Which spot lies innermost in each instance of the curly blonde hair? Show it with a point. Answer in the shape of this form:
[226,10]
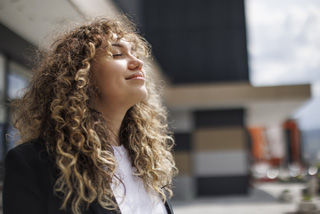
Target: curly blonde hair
[57,107]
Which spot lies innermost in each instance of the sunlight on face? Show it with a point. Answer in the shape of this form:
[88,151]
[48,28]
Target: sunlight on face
[120,79]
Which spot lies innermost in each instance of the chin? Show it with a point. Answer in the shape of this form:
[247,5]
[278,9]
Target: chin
[138,95]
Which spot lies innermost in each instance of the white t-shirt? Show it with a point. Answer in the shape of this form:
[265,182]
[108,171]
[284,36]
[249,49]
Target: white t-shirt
[134,199]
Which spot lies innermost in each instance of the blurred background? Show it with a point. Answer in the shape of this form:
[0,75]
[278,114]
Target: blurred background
[242,86]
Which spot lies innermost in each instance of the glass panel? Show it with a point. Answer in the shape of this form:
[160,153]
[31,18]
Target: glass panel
[2,91]
[2,152]
[2,106]
[12,137]
[17,80]
[16,83]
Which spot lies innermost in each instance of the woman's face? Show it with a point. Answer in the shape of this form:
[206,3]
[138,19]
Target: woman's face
[121,79]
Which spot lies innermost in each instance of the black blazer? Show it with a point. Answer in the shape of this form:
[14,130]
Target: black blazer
[29,180]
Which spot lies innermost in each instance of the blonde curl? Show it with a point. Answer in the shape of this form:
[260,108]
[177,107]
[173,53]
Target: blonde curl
[57,108]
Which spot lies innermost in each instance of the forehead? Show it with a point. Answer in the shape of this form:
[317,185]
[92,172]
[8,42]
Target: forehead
[121,42]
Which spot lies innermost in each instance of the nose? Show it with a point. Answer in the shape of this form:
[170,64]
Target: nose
[135,64]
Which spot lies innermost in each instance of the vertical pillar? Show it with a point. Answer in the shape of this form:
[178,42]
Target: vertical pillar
[3,109]
[182,125]
[220,152]
[292,141]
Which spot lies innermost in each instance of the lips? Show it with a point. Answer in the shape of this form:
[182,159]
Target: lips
[138,75]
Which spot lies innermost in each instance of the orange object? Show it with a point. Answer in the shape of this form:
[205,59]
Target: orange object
[294,139]
[258,143]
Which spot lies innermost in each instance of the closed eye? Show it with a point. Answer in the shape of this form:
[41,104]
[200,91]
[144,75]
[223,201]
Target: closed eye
[117,55]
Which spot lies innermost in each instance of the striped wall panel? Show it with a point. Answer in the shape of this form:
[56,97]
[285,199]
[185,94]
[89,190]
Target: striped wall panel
[226,163]
[220,152]
[184,187]
[211,153]
[182,142]
[222,185]
[219,118]
[184,163]
[181,121]
[182,124]
[225,138]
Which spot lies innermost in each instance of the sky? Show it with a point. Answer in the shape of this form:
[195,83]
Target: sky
[284,49]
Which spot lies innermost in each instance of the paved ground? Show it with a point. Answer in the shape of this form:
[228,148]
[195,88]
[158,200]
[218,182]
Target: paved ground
[263,199]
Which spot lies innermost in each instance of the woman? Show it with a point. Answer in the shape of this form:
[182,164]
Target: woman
[95,132]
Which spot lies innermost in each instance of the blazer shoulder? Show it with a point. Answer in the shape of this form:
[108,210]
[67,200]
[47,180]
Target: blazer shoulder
[30,148]
[35,144]
[33,152]
[27,181]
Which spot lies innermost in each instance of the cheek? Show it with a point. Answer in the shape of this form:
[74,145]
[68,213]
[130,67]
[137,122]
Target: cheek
[101,73]
[114,69]
[106,81]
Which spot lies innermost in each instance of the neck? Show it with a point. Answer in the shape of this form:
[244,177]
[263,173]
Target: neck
[113,118]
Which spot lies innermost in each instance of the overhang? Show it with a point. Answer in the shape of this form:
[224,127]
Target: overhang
[264,105]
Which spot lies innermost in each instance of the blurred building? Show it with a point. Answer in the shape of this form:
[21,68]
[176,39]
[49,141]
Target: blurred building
[311,146]
[200,48]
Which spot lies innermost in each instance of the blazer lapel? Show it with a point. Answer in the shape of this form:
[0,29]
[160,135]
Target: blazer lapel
[168,207]
[96,208]
[167,204]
